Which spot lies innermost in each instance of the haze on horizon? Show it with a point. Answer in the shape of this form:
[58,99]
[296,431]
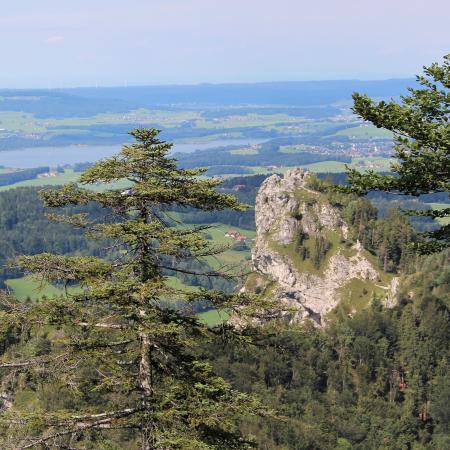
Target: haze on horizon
[109,42]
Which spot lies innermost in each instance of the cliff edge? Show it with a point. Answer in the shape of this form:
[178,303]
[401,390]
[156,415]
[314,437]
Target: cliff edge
[304,255]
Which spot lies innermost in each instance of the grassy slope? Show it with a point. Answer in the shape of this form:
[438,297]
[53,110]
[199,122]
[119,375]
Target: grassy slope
[231,260]
[307,265]
[216,232]
[29,288]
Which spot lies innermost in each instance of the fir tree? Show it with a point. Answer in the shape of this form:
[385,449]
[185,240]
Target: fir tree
[125,356]
[422,137]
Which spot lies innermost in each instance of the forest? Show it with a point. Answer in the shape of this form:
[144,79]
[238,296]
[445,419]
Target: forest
[376,380]
[120,358]
[363,382]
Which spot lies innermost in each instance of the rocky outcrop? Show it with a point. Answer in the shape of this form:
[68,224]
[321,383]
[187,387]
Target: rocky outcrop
[285,209]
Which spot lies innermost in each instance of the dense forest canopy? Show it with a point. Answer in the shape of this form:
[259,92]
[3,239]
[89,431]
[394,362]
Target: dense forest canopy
[377,380]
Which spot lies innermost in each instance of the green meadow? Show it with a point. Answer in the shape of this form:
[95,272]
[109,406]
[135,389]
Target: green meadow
[28,287]
[365,131]
[213,317]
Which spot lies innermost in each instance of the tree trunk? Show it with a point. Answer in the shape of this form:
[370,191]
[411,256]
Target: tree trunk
[145,383]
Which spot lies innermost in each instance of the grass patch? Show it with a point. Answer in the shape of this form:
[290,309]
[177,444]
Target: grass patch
[437,207]
[307,265]
[69,176]
[365,131]
[245,151]
[28,287]
[294,148]
[213,317]
[259,284]
[175,283]
[355,296]
[307,196]
[326,166]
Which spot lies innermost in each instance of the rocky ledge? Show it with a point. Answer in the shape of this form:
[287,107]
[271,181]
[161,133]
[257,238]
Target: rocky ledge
[303,255]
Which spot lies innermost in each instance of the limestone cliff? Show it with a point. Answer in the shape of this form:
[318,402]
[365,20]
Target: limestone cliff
[303,254]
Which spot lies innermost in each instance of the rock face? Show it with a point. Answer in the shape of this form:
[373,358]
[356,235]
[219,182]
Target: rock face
[285,209]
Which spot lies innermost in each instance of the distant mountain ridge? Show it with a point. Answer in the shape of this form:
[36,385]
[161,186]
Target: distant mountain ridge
[269,93]
[90,100]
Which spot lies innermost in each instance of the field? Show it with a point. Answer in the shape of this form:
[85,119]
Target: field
[245,151]
[18,122]
[438,206]
[247,120]
[69,176]
[326,166]
[294,148]
[378,164]
[106,125]
[28,287]
[232,261]
[365,131]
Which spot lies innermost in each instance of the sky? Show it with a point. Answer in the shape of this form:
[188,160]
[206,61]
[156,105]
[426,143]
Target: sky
[55,43]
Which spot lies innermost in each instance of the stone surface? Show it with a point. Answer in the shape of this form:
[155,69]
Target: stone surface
[280,214]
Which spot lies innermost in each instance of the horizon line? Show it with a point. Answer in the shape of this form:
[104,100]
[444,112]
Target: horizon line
[206,83]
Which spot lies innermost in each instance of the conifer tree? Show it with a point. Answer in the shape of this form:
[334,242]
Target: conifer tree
[422,145]
[122,351]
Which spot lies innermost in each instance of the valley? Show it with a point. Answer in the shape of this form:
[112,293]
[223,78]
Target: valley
[344,298]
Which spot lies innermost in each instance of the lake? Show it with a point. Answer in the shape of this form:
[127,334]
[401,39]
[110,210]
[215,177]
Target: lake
[54,156]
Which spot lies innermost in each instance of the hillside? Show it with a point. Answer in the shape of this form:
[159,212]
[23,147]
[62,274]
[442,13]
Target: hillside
[306,256]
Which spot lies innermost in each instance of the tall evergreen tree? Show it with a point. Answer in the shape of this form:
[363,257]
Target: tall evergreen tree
[422,137]
[125,358]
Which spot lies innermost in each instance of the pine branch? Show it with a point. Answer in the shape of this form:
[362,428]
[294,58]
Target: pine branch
[101,421]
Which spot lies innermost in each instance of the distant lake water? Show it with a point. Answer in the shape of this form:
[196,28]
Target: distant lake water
[54,156]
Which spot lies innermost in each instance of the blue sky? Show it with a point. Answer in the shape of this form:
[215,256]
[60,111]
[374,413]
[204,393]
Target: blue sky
[60,43]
